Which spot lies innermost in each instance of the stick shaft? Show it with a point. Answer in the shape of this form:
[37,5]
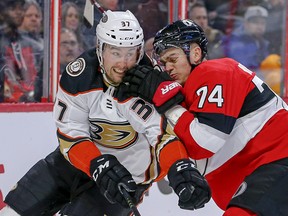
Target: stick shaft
[129,201]
[94,2]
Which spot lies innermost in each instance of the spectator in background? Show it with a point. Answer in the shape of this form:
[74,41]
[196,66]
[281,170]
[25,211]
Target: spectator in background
[109,4]
[31,28]
[247,43]
[32,22]
[275,24]
[271,70]
[198,13]
[72,19]
[79,3]
[18,62]
[152,16]
[228,15]
[69,47]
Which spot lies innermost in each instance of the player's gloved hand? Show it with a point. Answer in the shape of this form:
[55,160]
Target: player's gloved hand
[190,186]
[108,174]
[152,85]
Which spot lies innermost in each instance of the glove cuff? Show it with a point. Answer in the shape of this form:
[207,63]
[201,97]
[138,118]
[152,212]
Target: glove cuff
[177,99]
[174,114]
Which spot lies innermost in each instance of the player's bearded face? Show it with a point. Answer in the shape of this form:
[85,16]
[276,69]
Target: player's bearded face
[117,60]
[174,61]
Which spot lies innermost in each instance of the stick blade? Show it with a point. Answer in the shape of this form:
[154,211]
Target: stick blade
[88,14]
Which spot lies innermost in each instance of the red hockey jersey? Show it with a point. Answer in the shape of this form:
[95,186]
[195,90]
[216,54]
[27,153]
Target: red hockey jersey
[233,125]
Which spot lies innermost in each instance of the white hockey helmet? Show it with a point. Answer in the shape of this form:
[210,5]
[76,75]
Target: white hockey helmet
[121,29]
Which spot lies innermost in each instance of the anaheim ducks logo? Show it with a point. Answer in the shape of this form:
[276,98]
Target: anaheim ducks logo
[112,134]
[75,68]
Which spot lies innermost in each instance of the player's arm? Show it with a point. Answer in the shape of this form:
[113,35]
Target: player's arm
[187,182]
[71,118]
[71,115]
[171,155]
[195,127]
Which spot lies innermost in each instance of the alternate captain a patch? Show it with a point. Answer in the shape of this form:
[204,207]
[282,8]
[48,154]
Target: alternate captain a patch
[76,67]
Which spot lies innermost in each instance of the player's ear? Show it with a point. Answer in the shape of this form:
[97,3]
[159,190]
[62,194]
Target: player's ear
[195,53]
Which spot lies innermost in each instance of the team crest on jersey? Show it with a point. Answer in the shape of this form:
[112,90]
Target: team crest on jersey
[76,67]
[117,135]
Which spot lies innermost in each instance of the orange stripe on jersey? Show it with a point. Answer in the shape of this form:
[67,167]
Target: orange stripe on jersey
[170,154]
[82,153]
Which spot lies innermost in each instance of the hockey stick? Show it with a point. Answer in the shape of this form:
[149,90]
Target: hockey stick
[89,12]
[128,199]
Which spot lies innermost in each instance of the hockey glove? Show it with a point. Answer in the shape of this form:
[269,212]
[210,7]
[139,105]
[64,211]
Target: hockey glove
[154,86]
[190,186]
[109,176]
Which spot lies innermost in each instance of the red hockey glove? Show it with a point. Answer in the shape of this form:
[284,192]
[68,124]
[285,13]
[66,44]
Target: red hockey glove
[190,186]
[109,175]
[152,85]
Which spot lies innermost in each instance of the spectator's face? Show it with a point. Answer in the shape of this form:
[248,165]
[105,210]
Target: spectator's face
[117,60]
[69,47]
[276,3]
[109,4]
[14,15]
[256,26]
[32,20]
[72,19]
[199,15]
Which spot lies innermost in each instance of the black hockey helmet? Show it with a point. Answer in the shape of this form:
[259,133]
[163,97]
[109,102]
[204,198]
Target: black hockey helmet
[180,34]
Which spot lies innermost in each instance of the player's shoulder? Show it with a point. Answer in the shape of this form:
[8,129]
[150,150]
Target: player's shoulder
[213,71]
[82,74]
[221,65]
[219,62]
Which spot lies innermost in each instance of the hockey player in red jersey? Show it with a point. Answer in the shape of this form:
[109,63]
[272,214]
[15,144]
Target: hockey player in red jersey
[231,122]
[118,142]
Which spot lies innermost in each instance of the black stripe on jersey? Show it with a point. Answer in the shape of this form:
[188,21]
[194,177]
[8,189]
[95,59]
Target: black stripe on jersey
[218,121]
[256,99]
[253,101]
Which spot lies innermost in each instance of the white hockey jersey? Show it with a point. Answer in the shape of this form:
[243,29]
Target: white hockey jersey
[91,121]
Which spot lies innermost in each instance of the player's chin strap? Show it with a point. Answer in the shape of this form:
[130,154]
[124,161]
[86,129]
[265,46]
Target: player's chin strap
[106,80]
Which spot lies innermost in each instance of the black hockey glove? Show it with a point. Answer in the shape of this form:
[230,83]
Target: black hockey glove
[190,186]
[109,176]
[152,85]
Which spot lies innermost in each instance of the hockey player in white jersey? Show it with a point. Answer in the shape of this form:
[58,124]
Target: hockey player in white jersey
[113,141]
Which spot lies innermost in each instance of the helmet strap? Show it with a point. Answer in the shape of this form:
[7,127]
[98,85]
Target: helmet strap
[108,82]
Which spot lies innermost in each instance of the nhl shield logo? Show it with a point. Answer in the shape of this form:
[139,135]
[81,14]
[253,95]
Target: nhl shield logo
[76,67]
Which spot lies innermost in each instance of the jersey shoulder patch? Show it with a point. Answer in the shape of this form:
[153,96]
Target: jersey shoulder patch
[76,67]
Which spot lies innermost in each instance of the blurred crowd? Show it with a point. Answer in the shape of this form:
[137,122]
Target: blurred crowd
[250,31]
